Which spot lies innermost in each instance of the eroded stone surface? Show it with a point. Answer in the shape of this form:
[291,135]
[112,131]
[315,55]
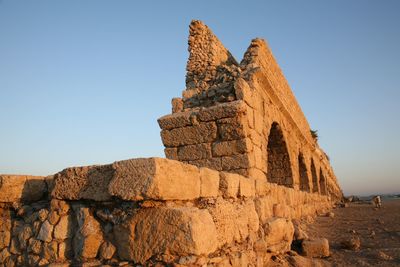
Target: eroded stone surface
[278,234]
[155,178]
[179,231]
[17,188]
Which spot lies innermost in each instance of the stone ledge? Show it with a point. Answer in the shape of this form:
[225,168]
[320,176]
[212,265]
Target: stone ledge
[134,179]
[22,188]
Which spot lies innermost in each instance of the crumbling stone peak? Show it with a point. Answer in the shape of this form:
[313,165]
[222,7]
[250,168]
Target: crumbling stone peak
[242,171]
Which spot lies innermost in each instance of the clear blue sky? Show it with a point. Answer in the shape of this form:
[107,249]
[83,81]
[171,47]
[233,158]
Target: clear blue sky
[83,82]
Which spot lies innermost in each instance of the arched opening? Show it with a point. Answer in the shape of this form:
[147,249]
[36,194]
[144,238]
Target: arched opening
[304,181]
[279,169]
[322,182]
[314,177]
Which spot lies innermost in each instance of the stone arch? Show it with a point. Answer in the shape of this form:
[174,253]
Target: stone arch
[322,183]
[279,169]
[314,177]
[304,180]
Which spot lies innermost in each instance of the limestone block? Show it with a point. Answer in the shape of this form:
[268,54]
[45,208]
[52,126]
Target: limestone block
[281,210]
[232,128]
[228,148]
[223,110]
[25,188]
[107,250]
[177,104]
[153,231]
[46,231]
[235,162]
[201,133]
[155,178]
[4,254]
[229,184]
[278,235]
[65,249]
[24,234]
[175,120]
[209,182]
[64,228]
[50,251]
[243,91]
[317,247]
[233,221]
[35,246]
[261,186]
[5,228]
[88,182]
[246,187]
[89,236]
[212,163]
[264,208]
[171,153]
[194,152]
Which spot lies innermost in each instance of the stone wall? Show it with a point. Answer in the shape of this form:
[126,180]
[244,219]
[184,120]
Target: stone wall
[242,169]
[147,211]
[257,130]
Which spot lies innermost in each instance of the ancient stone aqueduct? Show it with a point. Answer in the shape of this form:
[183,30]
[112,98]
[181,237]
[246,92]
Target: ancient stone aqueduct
[242,164]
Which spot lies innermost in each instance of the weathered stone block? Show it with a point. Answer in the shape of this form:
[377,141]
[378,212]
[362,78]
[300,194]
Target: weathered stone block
[64,228]
[243,91]
[46,231]
[229,184]
[212,163]
[175,120]
[171,153]
[228,148]
[246,187]
[194,152]
[233,221]
[5,228]
[261,185]
[177,104]
[155,178]
[223,110]
[153,231]
[264,208]
[317,247]
[235,162]
[282,211]
[201,133]
[232,128]
[89,235]
[209,180]
[278,235]
[88,182]
[25,188]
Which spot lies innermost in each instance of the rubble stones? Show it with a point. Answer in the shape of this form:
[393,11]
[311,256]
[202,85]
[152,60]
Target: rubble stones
[46,231]
[317,247]
[89,236]
[107,250]
[63,229]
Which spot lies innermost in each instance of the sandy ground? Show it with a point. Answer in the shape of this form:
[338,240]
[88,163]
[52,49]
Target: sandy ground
[378,230]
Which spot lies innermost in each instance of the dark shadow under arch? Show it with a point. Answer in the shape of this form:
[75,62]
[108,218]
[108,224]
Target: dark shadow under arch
[279,168]
[304,180]
[322,183]
[314,177]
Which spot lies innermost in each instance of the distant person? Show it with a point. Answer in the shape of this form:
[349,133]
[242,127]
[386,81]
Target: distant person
[377,201]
